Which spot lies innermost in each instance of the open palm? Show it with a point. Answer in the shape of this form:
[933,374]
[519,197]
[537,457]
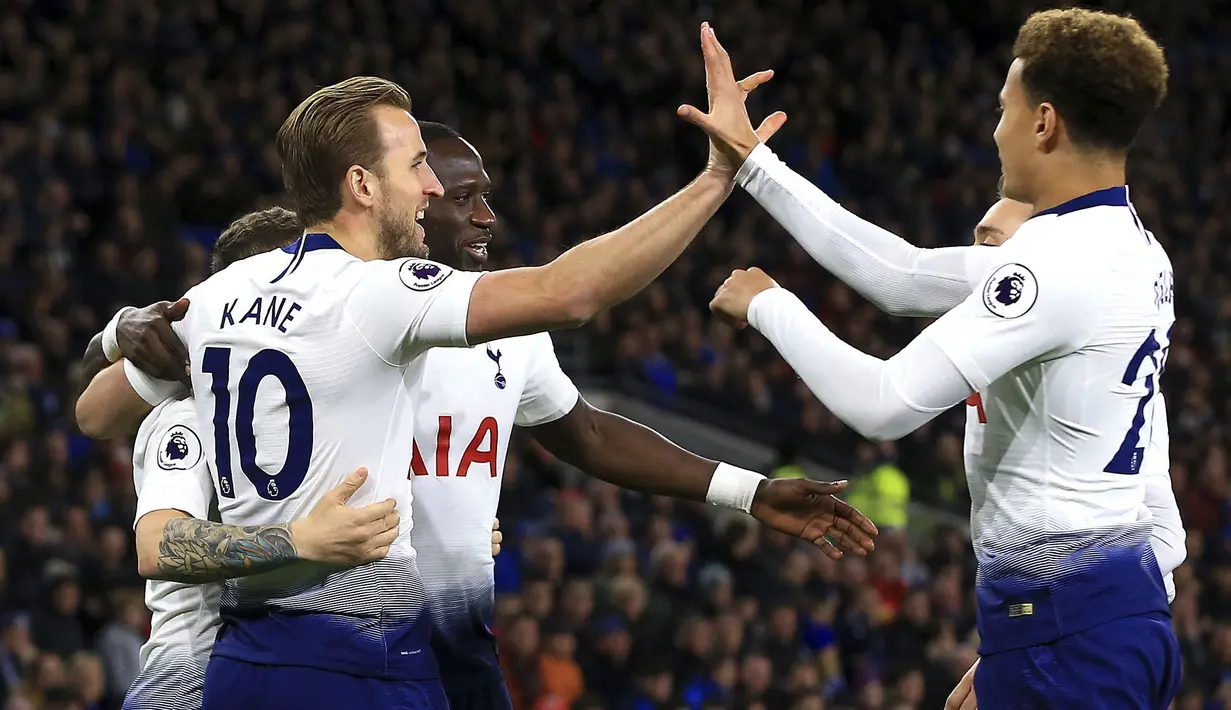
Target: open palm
[808,510]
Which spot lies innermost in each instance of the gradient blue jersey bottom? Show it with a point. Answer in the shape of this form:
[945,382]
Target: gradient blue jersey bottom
[390,649]
[1132,663]
[237,685]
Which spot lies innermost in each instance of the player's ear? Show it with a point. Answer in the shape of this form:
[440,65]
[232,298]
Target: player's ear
[361,185]
[1046,127]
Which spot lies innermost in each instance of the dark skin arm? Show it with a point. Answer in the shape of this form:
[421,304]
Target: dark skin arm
[629,455]
[146,337]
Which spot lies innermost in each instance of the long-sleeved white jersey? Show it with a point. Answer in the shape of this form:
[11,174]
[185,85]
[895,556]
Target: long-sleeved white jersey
[306,365]
[1062,332]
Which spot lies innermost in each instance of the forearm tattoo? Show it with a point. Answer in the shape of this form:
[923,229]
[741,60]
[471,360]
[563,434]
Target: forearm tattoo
[197,551]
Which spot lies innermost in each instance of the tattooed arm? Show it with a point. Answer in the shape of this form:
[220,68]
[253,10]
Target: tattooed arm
[180,548]
[175,546]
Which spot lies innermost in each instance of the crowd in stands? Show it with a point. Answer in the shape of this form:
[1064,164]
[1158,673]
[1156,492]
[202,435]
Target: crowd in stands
[132,131]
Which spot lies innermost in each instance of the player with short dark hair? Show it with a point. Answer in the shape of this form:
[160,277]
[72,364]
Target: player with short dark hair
[474,397]
[254,233]
[1062,334]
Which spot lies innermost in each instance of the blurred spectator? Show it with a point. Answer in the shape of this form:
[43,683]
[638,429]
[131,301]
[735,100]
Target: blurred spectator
[120,642]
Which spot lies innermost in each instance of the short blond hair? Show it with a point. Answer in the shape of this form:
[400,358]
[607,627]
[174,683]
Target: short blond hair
[1103,73]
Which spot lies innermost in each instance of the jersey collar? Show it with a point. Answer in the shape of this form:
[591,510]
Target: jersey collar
[311,242]
[1110,197]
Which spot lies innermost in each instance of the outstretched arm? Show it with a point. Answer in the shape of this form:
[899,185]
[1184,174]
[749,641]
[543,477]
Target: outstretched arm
[629,455]
[964,351]
[602,272]
[896,276]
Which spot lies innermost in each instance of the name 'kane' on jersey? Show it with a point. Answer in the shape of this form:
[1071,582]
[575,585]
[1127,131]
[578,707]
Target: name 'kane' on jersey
[306,366]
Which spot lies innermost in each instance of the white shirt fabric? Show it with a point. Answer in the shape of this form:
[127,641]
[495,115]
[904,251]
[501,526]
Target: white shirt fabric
[1063,338]
[471,400]
[307,364]
[170,473]
[903,279]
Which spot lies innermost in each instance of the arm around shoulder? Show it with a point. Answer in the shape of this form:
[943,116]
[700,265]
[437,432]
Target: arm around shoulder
[115,401]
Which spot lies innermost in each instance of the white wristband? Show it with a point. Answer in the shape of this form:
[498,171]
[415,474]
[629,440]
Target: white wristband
[733,487]
[111,345]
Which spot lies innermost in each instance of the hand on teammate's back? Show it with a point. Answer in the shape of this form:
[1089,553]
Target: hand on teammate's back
[146,338]
[334,533]
[735,295]
[730,130]
[808,510]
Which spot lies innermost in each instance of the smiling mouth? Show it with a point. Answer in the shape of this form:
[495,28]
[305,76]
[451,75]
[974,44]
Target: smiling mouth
[477,249]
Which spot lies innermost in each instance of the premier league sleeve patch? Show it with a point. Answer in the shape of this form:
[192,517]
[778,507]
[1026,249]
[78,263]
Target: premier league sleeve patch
[1010,291]
[179,450]
[423,275]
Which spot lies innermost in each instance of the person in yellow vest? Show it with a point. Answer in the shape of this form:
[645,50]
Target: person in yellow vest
[884,493]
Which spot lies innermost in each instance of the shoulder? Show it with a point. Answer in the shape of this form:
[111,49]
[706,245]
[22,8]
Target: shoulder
[1036,269]
[172,440]
[411,273]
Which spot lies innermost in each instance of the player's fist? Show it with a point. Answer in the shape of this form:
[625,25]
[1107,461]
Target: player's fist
[963,696]
[497,537]
[336,534]
[736,293]
[145,337]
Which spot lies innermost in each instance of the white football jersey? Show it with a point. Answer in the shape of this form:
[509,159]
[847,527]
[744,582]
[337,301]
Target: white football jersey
[470,401]
[306,365]
[1050,452]
[170,473]
[1054,448]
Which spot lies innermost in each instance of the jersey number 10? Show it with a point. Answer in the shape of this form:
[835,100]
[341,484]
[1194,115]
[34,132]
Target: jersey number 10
[1146,364]
[266,363]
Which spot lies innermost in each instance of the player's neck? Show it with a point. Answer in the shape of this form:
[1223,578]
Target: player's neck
[355,238]
[1077,176]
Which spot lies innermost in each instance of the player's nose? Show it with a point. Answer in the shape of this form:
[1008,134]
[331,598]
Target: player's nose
[433,188]
[483,215]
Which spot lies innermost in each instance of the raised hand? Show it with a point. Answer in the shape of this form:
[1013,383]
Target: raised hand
[808,510]
[146,338]
[334,533]
[730,130]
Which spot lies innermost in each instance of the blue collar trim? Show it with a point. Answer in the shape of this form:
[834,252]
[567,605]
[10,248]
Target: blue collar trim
[1110,197]
[311,242]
